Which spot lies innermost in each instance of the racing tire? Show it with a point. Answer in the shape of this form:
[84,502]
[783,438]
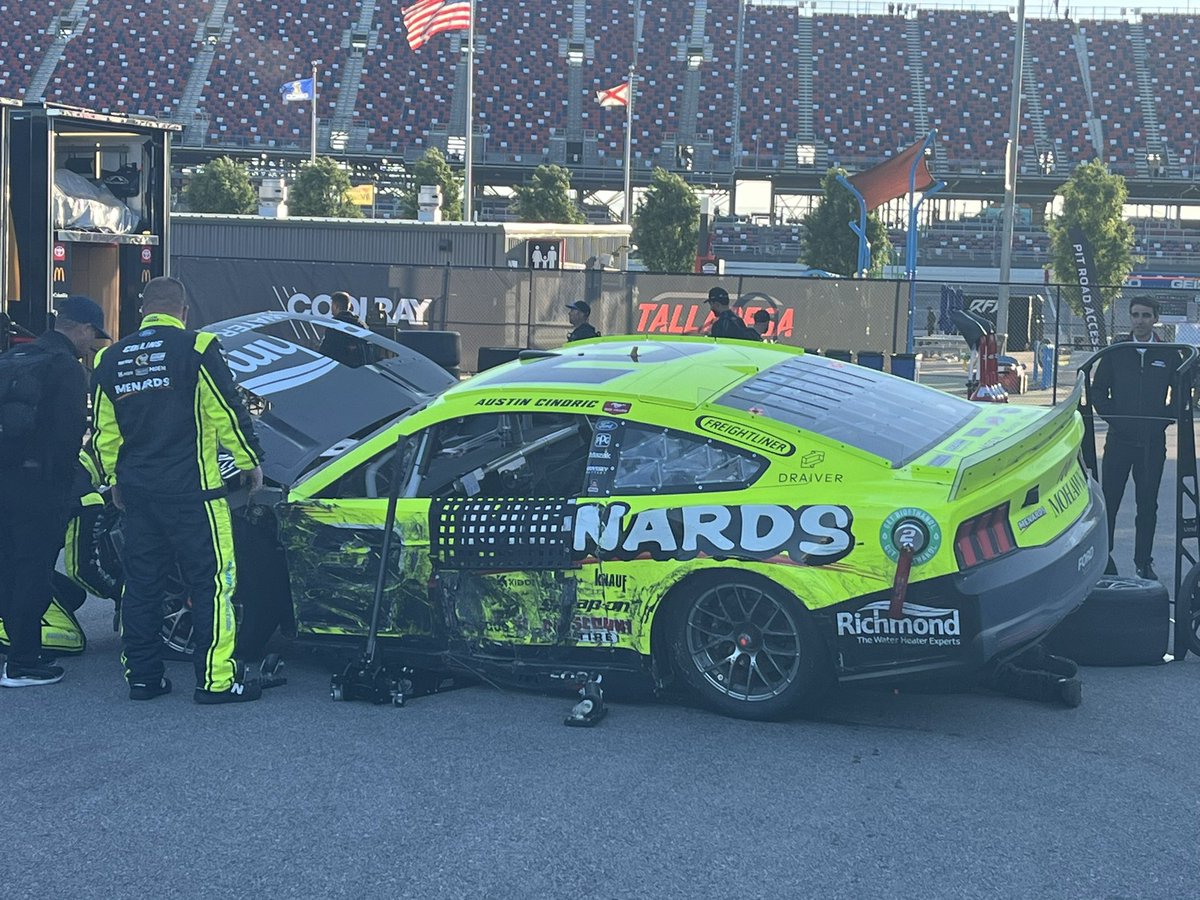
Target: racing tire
[747,648]
[1123,622]
[442,347]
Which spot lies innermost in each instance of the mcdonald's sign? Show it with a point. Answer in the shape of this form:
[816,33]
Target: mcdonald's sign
[60,274]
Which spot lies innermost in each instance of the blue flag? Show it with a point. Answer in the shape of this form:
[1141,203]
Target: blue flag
[301,89]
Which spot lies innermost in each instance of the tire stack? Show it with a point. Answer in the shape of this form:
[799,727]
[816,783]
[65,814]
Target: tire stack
[443,347]
[1123,622]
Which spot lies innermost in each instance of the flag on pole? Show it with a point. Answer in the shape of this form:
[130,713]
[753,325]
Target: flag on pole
[427,18]
[301,89]
[614,96]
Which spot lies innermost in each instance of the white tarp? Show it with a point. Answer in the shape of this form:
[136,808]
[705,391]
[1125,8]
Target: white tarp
[80,204]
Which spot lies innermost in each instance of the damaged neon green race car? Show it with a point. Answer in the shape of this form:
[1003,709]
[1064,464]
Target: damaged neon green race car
[747,521]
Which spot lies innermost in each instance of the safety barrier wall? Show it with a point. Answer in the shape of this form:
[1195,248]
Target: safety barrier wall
[503,307]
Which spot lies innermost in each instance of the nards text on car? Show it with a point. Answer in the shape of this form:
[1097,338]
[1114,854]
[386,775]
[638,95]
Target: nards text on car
[723,515]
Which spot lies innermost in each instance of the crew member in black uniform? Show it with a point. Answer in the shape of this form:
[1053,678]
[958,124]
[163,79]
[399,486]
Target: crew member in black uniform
[727,323]
[1130,390]
[36,481]
[164,402]
[338,345]
[581,329]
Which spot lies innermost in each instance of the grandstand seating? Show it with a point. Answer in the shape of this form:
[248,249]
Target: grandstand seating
[404,94]
[1114,90]
[131,58]
[769,86]
[1176,79]
[1064,97]
[136,55]
[24,37]
[861,88]
[520,81]
[610,26]
[968,71]
[273,42]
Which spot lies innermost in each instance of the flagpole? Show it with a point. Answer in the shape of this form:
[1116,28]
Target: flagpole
[627,215]
[469,155]
[312,147]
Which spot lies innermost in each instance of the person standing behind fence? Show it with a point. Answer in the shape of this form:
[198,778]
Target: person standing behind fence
[762,324]
[727,323]
[577,314]
[164,402]
[1130,391]
[45,414]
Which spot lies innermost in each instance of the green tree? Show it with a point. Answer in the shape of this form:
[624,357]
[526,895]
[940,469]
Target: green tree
[320,190]
[829,243]
[432,168]
[1093,201]
[546,197]
[667,224]
[221,186]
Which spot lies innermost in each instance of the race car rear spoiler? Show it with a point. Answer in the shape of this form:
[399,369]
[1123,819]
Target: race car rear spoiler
[985,465]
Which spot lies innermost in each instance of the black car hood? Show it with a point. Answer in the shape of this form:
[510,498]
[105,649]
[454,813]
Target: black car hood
[307,406]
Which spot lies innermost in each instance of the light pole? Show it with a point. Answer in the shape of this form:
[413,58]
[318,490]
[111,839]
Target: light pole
[1010,180]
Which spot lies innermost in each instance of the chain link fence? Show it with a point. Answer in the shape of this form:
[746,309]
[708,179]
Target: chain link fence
[524,308]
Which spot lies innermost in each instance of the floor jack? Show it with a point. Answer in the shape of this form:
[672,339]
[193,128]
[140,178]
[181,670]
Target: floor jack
[367,678]
[270,671]
[590,709]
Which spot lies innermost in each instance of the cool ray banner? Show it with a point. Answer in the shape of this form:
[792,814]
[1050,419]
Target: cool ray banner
[222,289]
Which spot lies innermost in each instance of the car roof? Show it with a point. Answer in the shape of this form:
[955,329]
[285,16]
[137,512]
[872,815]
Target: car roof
[884,417]
[679,371]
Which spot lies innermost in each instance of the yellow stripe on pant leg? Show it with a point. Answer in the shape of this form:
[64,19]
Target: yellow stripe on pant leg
[218,663]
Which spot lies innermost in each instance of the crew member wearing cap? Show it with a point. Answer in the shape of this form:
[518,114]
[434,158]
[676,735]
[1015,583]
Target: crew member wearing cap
[727,323]
[577,314]
[36,481]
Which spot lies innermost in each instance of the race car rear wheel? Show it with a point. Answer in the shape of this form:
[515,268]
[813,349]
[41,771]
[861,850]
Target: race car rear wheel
[747,648]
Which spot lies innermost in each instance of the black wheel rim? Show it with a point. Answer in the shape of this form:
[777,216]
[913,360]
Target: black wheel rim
[176,628]
[744,642]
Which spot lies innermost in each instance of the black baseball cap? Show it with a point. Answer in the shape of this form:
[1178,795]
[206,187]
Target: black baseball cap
[86,311]
[718,295]
[761,315]
[582,306]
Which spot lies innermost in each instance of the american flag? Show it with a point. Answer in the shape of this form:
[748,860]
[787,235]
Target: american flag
[427,18]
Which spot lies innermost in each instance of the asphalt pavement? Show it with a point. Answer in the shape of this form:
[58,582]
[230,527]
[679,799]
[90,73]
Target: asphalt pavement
[484,793]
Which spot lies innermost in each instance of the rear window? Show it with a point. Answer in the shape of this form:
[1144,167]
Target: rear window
[885,416]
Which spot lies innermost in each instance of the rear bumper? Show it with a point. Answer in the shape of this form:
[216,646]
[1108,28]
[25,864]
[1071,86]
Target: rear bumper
[1023,596]
[957,624]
